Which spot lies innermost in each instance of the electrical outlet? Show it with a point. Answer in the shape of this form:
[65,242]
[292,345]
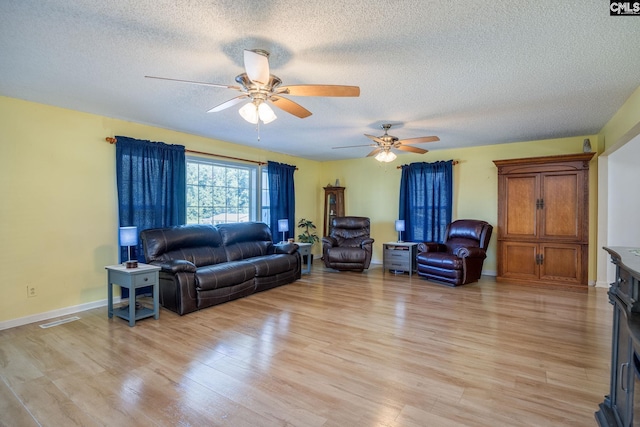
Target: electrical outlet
[31,291]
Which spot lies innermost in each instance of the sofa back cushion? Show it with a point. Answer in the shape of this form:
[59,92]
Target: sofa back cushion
[245,239]
[200,244]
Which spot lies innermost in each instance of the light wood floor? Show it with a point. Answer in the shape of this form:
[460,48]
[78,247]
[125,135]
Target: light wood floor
[333,349]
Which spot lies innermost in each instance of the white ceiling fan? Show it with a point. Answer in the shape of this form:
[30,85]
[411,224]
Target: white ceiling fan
[384,144]
[261,88]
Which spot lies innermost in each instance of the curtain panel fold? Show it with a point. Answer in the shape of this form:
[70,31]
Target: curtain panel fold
[282,200]
[426,199]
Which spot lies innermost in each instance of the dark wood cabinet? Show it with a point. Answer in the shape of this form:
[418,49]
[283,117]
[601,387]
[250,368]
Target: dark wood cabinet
[543,227]
[333,206]
[621,407]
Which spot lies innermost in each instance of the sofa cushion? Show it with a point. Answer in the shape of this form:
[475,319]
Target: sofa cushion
[270,265]
[199,244]
[342,254]
[223,275]
[440,260]
[245,240]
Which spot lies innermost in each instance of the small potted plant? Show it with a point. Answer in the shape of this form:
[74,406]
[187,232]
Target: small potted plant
[308,235]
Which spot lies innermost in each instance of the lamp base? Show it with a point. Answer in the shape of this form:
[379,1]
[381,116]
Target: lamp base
[131,264]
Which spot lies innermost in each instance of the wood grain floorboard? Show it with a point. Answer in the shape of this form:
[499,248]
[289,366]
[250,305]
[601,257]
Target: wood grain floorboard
[332,349]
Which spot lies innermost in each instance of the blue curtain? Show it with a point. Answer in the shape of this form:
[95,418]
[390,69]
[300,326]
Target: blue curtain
[151,179]
[282,201]
[426,198]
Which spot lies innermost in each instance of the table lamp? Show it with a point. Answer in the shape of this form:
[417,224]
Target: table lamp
[128,238]
[399,229]
[283,226]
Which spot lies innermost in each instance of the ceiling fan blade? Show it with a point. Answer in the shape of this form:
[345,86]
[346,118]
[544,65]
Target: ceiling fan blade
[257,66]
[412,149]
[195,83]
[376,139]
[290,106]
[374,152]
[229,103]
[419,140]
[319,90]
[353,146]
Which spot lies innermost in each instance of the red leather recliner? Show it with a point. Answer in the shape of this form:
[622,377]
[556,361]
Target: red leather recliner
[459,259]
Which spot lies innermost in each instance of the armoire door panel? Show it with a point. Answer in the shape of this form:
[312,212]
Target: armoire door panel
[521,216]
[519,260]
[561,263]
[561,207]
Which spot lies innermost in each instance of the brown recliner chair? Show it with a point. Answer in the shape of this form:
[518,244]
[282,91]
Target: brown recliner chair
[349,245]
[459,259]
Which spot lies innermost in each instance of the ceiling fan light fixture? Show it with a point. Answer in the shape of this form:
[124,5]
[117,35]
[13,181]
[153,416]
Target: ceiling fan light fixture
[385,156]
[249,112]
[266,114]
[254,111]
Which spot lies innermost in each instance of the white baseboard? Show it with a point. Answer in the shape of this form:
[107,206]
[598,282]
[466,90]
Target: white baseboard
[54,313]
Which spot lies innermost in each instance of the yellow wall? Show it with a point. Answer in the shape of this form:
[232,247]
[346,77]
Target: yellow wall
[372,188]
[622,122]
[58,216]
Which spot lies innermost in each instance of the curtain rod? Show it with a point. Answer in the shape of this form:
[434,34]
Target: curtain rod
[112,140]
[454,162]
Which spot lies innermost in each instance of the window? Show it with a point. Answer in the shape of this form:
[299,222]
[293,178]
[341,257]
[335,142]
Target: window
[220,192]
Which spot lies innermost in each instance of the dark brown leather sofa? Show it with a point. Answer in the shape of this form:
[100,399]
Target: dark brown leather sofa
[204,265]
[459,259]
[349,246]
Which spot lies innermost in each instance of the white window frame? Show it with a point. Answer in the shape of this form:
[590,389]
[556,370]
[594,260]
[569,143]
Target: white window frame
[255,196]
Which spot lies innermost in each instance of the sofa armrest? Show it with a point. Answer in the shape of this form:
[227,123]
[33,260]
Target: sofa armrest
[366,243]
[329,241]
[176,266]
[431,247]
[287,248]
[471,253]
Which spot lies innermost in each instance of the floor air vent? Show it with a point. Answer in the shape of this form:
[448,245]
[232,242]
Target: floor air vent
[59,322]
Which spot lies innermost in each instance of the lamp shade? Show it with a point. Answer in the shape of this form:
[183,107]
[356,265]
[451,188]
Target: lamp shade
[254,111]
[128,236]
[249,112]
[385,156]
[399,224]
[283,225]
[266,114]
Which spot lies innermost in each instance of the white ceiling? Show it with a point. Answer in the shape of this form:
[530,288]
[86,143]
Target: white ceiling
[472,72]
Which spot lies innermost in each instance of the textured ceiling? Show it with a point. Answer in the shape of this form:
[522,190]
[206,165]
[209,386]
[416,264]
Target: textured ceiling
[471,72]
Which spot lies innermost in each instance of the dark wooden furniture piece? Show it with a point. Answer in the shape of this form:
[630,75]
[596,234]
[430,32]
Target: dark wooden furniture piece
[543,219]
[333,206]
[621,407]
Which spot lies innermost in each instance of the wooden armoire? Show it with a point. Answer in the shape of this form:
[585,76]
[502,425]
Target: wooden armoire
[543,220]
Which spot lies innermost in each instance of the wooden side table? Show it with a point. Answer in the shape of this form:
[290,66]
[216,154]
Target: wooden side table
[133,278]
[400,257]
